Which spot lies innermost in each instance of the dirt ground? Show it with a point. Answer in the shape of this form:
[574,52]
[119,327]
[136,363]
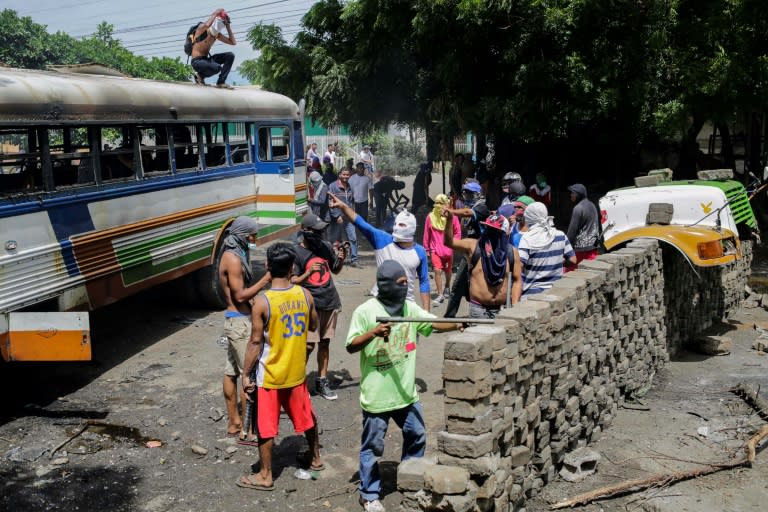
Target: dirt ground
[156,374]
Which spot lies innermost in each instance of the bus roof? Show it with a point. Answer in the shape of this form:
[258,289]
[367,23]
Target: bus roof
[32,97]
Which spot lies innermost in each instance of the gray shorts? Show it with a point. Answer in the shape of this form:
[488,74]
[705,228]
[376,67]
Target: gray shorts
[238,331]
[478,311]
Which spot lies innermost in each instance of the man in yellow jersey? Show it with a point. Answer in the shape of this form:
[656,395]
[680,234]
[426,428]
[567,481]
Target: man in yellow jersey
[281,318]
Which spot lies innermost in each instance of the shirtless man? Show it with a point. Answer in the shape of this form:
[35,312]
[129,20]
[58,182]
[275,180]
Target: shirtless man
[235,276]
[203,62]
[488,264]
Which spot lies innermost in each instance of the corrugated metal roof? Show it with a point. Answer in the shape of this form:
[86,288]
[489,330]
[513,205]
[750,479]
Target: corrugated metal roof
[31,97]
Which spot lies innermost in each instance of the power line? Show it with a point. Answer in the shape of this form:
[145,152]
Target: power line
[186,20]
[60,7]
[176,43]
[166,39]
[161,53]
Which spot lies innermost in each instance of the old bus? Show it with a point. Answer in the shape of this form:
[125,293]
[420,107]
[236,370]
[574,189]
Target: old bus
[110,185]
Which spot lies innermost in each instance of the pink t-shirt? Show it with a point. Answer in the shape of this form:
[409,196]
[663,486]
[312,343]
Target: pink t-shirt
[433,238]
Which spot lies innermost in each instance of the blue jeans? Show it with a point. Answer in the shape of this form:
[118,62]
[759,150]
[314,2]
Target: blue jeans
[411,420]
[334,235]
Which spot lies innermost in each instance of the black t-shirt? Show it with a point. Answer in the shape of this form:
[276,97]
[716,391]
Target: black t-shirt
[320,284]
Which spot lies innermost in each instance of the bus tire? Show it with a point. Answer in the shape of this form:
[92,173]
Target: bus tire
[207,284]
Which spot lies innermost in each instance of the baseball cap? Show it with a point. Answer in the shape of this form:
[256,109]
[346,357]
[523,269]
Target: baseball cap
[472,187]
[524,201]
[506,210]
[312,221]
[497,221]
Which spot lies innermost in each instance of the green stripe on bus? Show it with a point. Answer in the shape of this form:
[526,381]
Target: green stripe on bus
[137,273]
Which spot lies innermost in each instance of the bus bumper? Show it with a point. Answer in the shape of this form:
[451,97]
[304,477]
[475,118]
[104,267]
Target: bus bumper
[45,336]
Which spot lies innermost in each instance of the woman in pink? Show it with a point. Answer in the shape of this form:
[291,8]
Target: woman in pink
[441,256]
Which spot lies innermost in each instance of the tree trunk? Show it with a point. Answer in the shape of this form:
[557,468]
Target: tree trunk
[689,150]
[726,148]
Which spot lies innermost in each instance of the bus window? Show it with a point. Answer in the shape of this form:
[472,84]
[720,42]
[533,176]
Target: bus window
[154,150]
[238,143]
[185,147]
[70,163]
[274,143]
[117,161]
[215,145]
[20,164]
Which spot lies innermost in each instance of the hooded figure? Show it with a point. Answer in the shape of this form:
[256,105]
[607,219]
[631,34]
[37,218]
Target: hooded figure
[541,228]
[236,242]
[541,191]
[404,229]
[583,230]
[318,196]
[436,215]
[391,293]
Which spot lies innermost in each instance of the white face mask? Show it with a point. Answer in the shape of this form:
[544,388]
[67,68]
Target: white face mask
[251,246]
[216,27]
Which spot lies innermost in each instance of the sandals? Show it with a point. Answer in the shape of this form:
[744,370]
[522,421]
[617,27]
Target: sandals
[305,460]
[245,441]
[249,482]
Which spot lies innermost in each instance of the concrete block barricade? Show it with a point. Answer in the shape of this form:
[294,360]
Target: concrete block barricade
[548,377]
[523,395]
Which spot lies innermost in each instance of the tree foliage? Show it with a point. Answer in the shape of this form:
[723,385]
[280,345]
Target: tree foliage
[617,71]
[26,44]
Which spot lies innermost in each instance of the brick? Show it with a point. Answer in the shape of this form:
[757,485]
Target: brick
[446,479]
[468,390]
[461,445]
[480,466]
[528,314]
[521,455]
[475,426]
[469,347]
[410,473]
[468,409]
[579,464]
[474,371]
[495,332]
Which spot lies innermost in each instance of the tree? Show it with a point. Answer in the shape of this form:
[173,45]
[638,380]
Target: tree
[595,79]
[25,44]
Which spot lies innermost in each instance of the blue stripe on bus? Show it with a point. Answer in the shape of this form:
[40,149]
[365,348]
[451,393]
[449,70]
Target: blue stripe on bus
[67,220]
[42,201]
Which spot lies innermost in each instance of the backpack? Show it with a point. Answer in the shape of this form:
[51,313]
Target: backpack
[190,40]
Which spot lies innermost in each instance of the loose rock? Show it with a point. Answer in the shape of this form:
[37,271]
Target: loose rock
[199,450]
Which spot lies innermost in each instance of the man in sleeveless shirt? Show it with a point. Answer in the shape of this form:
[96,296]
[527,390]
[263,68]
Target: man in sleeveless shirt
[278,352]
[236,280]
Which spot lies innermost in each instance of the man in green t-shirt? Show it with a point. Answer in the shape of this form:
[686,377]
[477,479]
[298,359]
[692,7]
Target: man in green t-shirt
[388,374]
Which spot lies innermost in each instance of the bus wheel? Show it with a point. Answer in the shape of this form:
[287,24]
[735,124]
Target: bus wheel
[207,284]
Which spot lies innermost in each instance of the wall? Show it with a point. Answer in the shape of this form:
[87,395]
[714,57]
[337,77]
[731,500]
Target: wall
[551,374]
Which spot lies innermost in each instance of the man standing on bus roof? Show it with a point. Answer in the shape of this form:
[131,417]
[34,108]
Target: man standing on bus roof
[235,278]
[203,62]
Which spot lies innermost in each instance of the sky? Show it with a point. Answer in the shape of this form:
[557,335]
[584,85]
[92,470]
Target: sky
[152,28]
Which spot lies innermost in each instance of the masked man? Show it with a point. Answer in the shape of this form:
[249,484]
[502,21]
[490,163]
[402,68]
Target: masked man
[388,374]
[398,246]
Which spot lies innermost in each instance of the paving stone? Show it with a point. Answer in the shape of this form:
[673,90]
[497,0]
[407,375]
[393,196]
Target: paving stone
[446,479]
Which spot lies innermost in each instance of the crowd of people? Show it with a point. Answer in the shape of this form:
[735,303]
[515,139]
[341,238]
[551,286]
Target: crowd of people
[495,258]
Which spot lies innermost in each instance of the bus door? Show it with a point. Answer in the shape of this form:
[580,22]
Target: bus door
[276,193]
[300,169]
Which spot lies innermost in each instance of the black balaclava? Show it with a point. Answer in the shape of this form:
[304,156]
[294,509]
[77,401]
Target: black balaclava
[391,293]
[317,245]
[236,242]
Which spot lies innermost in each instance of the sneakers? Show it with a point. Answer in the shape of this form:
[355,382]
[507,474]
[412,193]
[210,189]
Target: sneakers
[199,80]
[224,86]
[323,389]
[438,300]
[372,506]
[447,293]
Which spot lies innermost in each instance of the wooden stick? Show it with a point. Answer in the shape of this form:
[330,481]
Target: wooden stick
[750,395]
[64,443]
[664,478]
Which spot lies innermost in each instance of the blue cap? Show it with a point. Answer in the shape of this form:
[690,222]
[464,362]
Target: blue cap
[472,187]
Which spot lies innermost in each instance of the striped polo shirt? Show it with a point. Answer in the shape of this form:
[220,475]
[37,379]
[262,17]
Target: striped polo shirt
[542,267]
